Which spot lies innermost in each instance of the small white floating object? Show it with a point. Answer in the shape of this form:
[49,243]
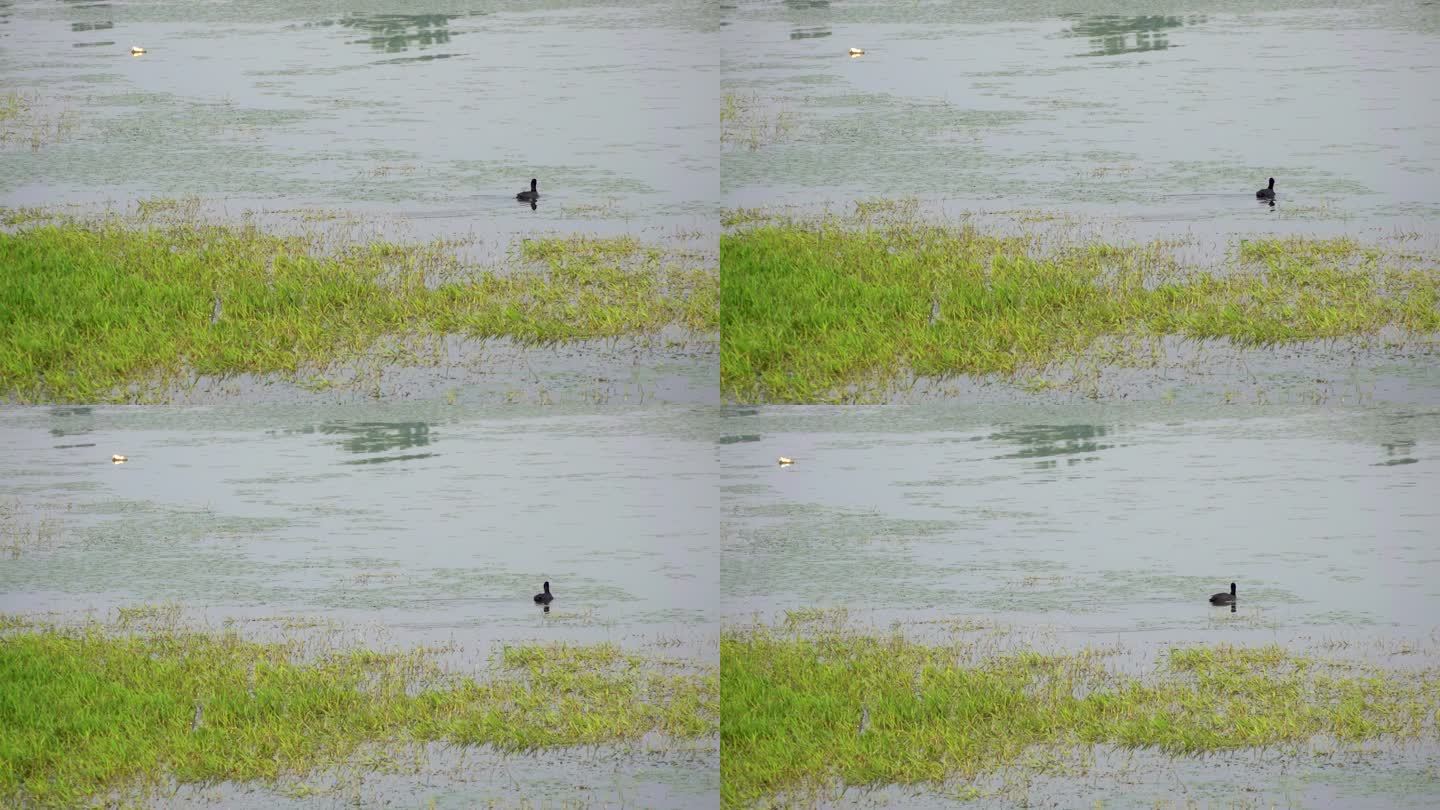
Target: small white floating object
[119,459]
[136,50]
[857,51]
[785,462]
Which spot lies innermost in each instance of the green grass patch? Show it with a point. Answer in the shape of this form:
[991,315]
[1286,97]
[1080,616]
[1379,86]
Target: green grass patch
[88,713]
[803,712]
[837,310]
[91,310]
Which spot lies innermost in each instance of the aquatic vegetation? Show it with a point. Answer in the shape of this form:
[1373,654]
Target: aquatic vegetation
[104,310]
[753,122]
[28,119]
[22,530]
[845,309]
[804,712]
[89,713]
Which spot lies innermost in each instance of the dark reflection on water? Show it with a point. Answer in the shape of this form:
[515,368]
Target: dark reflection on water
[388,459]
[1042,441]
[96,26]
[748,437]
[74,420]
[1111,34]
[393,33]
[810,33]
[1399,448]
[374,437]
[804,5]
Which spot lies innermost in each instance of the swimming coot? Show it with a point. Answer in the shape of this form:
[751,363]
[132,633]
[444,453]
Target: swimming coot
[1266,193]
[544,597]
[1221,598]
[532,194]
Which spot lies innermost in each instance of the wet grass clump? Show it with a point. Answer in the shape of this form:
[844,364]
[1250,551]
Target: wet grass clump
[96,310]
[89,714]
[839,310]
[804,712]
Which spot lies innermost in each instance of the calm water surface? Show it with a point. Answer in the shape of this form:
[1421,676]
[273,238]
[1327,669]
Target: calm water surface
[441,116]
[1141,111]
[433,520]
[1097,522]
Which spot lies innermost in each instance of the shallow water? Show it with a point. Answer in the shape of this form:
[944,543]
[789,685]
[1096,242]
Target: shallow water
[440,117]
[1371,779]
[1170,116]
[437,521]
[1091,523]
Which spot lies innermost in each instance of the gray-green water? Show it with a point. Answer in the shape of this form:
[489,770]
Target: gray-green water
[1095,521]
[1172,115]
[440,117]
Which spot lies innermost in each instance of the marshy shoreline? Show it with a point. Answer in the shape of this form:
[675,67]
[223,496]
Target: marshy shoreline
[885,305]
[152,306]
[152,702]
[815,708]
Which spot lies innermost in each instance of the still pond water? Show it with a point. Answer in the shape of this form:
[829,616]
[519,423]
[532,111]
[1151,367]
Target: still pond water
[1096,521]
[439,117]
[1164,114]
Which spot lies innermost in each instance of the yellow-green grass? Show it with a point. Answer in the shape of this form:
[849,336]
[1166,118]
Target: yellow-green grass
[89,714]
[832,310]
[12,103]
[90,309]
[802,713]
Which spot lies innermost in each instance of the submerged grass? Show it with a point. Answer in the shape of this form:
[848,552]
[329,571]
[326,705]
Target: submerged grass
[89,310]
[834,310]
[752,121]
[21,530]
[802,712]
[88,714]
[25,119]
